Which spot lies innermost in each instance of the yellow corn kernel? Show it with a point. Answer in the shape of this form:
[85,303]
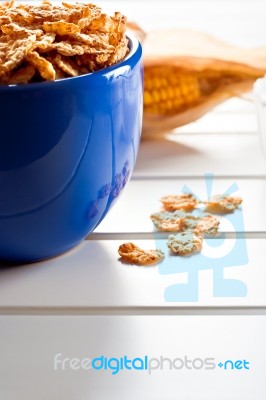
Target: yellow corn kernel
[156,96]
[164,94]
[156,83]
[148,83]
[171,93]
[147,98]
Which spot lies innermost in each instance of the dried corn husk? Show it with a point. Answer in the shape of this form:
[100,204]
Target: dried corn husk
[187,73]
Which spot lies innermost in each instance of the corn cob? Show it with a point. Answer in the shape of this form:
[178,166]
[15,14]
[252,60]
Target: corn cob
[169,90]
[187,73]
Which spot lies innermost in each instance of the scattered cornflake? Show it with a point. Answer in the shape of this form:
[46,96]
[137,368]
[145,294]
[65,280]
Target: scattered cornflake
[185,243]
[166,221]
[133,254]
[204,225]
[186,202]
[189,227]
[223,204]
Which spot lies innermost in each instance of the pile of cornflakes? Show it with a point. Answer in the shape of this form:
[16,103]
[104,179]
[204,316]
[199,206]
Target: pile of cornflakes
[49,41]
[190,229]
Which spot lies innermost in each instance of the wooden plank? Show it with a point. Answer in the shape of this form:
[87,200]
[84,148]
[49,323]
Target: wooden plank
[91,276]
[193,155]
[141,199]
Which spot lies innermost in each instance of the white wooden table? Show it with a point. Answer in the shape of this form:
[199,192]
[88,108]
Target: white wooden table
[87,304]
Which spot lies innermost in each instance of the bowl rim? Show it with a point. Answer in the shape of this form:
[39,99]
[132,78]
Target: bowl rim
[134,45]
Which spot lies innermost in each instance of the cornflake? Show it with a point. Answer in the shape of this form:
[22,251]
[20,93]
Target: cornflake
[184,243]
[223,204]
[186,202]
[133,254]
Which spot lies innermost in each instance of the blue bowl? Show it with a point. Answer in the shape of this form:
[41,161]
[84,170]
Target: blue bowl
[67,150]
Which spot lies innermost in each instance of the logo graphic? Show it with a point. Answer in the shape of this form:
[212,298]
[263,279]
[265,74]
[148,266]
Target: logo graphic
[232,365]
[116,365]
[217,254]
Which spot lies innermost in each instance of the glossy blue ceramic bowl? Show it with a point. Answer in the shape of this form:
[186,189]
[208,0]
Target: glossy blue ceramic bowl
[67,149]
